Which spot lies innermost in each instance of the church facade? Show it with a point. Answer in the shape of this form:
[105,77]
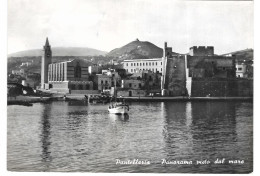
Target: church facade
[64,77]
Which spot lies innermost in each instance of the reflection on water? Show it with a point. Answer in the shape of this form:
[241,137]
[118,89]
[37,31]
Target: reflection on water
[77,103]
[218,122]
[45,137]
[120,117]
[75,136]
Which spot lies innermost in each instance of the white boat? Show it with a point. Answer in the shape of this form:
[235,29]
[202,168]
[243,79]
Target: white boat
[118,108]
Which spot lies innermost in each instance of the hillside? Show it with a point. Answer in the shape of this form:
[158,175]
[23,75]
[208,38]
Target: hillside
[246,54]
[60,51]
[135,50]
[16,63]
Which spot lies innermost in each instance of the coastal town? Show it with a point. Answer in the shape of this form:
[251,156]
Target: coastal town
[199,74]
[130,87]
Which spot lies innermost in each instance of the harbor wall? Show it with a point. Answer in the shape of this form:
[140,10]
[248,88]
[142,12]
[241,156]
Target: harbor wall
[85,91]
[131,93]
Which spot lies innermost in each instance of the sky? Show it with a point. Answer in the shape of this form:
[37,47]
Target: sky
[109,24]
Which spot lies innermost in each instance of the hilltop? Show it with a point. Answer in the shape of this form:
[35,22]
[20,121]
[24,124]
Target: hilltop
[60,51]
[136,50]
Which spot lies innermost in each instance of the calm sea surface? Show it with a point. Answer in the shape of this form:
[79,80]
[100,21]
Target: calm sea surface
[76,137]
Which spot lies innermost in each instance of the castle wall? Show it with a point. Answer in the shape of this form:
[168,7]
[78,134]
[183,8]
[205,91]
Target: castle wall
[201,51]
[211,66]
[219,87]
[175,78]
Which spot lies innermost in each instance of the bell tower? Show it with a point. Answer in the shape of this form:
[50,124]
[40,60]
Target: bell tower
[46,60]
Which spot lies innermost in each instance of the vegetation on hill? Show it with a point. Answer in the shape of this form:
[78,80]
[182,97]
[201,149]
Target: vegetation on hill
[247,55]
[241,55]
[136,50]
[15,63]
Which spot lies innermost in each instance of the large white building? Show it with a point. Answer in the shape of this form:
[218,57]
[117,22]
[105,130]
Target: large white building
[137,65]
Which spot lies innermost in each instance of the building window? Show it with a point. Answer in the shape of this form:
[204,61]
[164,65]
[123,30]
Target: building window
[131,70]
[156,63]
[143,64]
[131,64]
[161,63]
[130,85]
[153,63]
[77,71]
[80,87]
[60,65]
[126,64]
[63,77]
[161,69]
[54,72]
[134,64]
[102,82]
[137,64]
[140,85]
[146,63]
[149,63]
[106,82]
[240,69]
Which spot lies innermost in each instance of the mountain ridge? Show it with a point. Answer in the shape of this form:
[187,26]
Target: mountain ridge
[60,51]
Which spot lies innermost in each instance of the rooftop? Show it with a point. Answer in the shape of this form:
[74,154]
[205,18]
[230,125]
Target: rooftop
[137,60]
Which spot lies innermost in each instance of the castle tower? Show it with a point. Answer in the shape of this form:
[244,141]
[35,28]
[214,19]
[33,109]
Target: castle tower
[46,60]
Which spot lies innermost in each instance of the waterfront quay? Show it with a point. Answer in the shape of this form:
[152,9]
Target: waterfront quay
[183,98]
[28,100]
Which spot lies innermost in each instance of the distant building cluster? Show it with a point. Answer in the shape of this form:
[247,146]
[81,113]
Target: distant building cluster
[244,67]
[78,76]
[198,73]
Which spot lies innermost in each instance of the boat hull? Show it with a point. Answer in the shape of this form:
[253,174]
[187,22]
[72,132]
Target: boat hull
[118,110]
